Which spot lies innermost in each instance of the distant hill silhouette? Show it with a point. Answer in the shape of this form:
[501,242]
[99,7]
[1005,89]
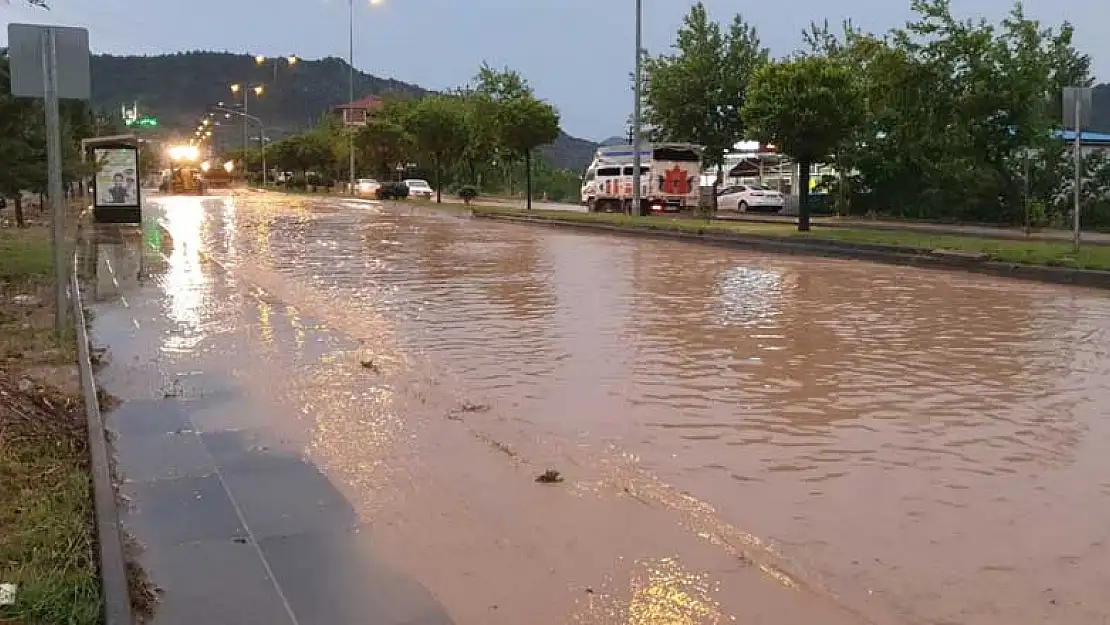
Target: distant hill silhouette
[179,88]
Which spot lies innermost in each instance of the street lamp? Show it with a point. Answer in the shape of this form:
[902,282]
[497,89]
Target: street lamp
[261,137]
[351,86]
[246,89]
[636,121]
[291,60]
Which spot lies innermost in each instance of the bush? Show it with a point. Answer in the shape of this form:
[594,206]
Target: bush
[468,193]
[297,183]
[316,180]
[393,191]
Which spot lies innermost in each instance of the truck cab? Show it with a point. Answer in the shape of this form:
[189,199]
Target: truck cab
[589,187]
[669,174]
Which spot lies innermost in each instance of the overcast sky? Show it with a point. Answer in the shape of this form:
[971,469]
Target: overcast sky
[577,53]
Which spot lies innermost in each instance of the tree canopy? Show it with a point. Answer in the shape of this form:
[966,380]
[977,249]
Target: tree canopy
[808,107]
[953,107]
[695,94]
[438,128]
[484,134]
[23,142]
[957,121]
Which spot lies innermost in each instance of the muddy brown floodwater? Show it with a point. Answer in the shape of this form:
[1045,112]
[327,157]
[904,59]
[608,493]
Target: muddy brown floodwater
[744,437]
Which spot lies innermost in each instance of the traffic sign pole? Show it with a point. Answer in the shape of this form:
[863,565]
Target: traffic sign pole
[51,62]
[54,174]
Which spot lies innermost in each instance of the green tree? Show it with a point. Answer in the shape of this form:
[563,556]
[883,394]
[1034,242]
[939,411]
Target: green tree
[952,107]
[808,107]
[527,123]
[22,145]
[696,93]
[315,152]
[501,85]
[385,142]
[483,141]
[438,128]
[492,89]
[382,144]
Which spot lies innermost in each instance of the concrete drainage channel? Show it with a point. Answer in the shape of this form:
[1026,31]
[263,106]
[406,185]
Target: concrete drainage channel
[937,259]
[115,588]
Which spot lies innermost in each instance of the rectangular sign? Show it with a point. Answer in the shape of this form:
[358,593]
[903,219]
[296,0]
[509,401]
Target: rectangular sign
[117,179]
[26,46]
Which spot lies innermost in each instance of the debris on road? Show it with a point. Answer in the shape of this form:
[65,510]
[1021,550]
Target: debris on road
[550,476]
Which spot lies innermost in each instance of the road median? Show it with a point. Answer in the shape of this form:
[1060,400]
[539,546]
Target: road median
[1044,261]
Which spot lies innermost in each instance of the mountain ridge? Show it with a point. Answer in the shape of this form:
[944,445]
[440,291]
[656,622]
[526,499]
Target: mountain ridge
[178,88]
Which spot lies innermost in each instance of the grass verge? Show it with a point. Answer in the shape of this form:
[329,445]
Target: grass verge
[47,545]
[1044,253]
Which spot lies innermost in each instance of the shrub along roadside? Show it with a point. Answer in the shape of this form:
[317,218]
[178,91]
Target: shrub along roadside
[1042,253]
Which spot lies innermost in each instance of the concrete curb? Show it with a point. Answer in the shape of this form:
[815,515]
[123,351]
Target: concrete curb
[999,234]
[115,588]
[888,254]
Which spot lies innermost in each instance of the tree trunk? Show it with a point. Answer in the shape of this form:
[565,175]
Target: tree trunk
[18,201]
[528,176]
[439,182]
[803,195]
[716,185]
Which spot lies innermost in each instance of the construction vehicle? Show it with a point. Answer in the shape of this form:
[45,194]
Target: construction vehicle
[183,180]
[669,176]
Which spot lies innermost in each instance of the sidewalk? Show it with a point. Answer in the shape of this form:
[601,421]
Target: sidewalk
[237,524]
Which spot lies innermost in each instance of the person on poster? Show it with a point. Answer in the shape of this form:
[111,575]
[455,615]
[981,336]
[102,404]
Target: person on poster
[118,192]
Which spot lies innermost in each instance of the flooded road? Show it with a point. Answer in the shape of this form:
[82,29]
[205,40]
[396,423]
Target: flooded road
[743,437]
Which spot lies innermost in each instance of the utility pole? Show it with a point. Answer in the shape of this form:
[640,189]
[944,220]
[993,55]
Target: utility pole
[1077,105]
[636,121]
[246,111]
[1078,165]
[54,175]
[351,99]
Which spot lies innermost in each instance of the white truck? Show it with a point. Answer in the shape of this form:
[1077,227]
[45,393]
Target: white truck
[669,175]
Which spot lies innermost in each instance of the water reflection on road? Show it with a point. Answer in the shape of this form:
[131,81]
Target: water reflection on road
[903,445]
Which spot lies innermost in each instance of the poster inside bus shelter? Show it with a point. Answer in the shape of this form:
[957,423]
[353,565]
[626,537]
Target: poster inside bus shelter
[117,177]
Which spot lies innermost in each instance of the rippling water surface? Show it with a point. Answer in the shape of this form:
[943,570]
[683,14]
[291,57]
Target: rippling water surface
[924,446]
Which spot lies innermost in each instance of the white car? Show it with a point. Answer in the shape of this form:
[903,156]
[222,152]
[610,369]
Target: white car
[754,197]
[368,186]
[420,188]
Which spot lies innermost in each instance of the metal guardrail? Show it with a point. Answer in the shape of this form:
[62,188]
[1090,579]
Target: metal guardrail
[113,566]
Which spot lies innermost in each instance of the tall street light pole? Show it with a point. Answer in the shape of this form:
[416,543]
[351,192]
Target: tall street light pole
[636,208]
[351,99]
[261,134]
[246,89]
[351,91]
[261,59]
